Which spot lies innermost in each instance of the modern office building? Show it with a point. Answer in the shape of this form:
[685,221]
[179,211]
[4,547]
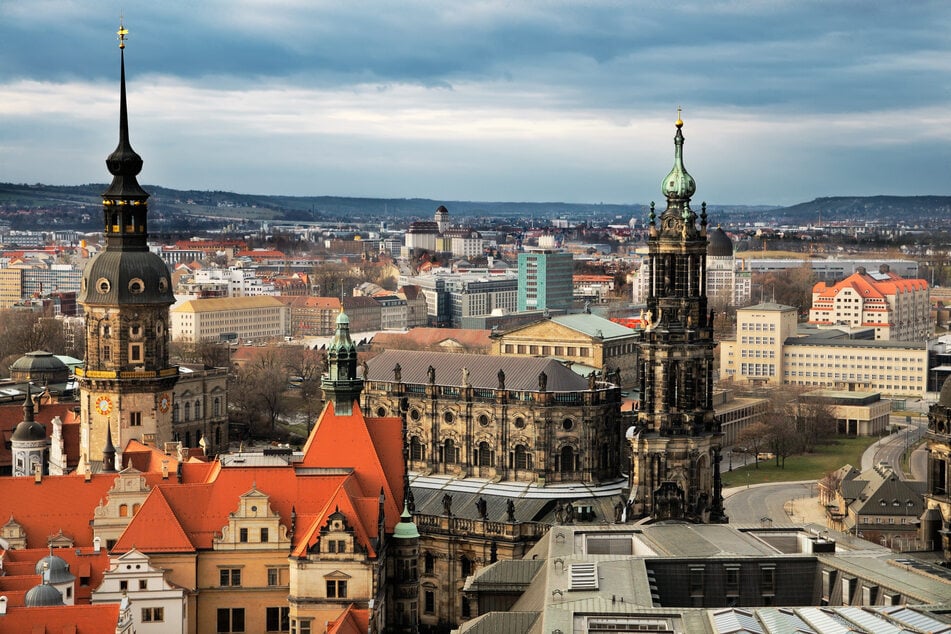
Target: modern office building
[257,318]
[545,280]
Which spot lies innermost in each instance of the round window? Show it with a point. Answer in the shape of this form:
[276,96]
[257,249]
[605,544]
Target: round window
[414,414]
[136,286]
[103,285]
[448,417]
[520,422]
[381,412]
[567,424]
[163,284]
[483,420]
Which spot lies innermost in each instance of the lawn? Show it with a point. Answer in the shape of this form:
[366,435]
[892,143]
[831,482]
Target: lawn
[829,456]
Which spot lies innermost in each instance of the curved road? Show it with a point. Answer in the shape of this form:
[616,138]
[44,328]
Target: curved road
[749,505]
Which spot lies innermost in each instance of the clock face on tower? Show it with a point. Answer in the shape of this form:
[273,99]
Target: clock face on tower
[103,405]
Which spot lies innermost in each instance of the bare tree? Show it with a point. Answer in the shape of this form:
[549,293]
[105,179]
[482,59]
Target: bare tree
[754,438]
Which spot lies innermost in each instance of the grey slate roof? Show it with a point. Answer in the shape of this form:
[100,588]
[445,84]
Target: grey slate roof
[521,373]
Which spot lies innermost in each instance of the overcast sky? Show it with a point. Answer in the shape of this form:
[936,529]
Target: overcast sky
[511,100]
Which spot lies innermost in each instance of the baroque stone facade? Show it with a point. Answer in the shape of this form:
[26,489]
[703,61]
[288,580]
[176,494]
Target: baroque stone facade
[676,444]
[936,521]
[501,418]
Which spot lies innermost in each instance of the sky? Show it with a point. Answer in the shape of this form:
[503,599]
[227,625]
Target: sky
[519,100]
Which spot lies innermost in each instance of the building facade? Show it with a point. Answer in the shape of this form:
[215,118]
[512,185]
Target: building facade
[545,280]
[583,339]
[677,440]
[768,350]
[258,318]
[898,309]
[936,523]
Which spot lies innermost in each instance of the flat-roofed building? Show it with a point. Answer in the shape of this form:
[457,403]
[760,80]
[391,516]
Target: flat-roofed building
[251,318]
[768,350]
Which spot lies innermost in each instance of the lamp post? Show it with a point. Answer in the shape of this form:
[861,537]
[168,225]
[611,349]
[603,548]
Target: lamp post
[729,456]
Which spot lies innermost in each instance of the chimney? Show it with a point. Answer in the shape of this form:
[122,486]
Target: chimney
[3,605]
[38,473]
[96,544]
[165,469]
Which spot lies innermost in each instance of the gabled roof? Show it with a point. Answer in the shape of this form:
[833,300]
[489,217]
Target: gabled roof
[470,338]
[156,528]
[376,456]
[354,620]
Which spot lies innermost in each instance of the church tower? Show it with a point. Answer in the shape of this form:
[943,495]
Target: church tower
[126,380]
[341,384]
[676,443]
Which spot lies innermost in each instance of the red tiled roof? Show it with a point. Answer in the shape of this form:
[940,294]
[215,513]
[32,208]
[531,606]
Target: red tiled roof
[101,618]
[20,569]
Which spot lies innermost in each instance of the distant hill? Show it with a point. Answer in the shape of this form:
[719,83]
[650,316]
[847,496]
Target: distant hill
[41,206]
[925,209]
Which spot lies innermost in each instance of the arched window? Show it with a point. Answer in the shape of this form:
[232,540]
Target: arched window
[449,452]
[216,406]
[429,563]
[135,508]
[217,436]
[197,410]
[484,455]
[188,412]
[417,451]
[466,564]
[175,413]
[567,459]
[523,458]
[123,510]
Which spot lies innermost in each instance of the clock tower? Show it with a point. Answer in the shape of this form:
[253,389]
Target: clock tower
[126,380]
[676,442]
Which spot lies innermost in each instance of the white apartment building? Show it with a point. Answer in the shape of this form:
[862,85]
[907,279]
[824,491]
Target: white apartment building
[241,282]
[157,605]
[251,318]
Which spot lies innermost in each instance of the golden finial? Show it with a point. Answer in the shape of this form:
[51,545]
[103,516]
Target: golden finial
[679,123]
[122,32]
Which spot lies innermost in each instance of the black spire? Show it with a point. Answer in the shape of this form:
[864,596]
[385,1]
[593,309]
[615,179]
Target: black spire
[124,164]
[28,409]
[109,452]
[124,202]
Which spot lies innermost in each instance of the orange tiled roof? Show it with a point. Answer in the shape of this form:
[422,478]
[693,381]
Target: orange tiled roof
[58,503]
[101,618]
[354,620]
[868,287]
[376,457]
[20,566]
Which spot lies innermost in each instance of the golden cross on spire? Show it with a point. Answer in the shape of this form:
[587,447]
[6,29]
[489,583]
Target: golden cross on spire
[679,121]
[122,32]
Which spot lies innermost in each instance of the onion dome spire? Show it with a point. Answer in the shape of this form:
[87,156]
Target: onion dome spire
[124,164]
[679,185]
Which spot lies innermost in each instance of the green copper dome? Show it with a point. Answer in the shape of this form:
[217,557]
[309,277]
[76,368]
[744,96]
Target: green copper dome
[679,184]
[406,529]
